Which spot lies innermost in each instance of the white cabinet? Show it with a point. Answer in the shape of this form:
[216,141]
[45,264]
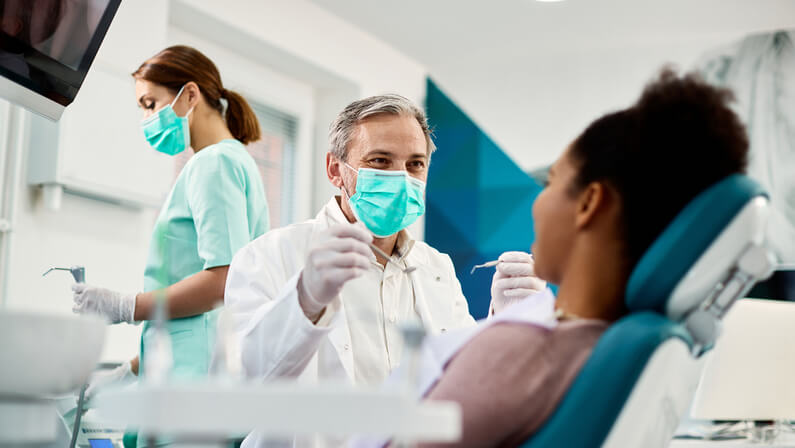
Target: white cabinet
[97,148]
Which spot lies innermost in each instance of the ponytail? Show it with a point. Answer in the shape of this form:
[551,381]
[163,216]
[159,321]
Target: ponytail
[175,66]
[240,118]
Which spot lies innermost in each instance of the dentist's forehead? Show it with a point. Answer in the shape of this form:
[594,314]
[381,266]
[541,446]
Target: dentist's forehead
[397,134]
[374,152]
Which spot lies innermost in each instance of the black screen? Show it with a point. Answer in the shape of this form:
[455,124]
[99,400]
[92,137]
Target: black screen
[780,286]
[49,45]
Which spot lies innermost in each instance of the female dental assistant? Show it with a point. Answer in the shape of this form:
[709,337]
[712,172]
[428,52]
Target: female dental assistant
[217,205]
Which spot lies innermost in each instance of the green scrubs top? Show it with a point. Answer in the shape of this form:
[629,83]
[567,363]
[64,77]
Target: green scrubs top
[216,207]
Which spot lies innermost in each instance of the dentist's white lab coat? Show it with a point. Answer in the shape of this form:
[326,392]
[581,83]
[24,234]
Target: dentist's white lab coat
[277,340]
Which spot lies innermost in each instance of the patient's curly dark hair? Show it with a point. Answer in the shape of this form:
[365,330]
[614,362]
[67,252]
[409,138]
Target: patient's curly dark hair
[678,139]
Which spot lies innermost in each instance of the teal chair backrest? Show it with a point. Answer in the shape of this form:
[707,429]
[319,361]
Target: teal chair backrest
[589,409]
[683,242]
[586,414]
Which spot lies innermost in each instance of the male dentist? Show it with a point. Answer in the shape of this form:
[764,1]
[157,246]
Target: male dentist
[314,300]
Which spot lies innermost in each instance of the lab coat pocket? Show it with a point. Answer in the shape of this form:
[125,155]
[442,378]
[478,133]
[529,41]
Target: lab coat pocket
[439,295]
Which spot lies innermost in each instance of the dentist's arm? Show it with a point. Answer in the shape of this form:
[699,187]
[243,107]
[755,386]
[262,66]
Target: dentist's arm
[514,280]
[278,318]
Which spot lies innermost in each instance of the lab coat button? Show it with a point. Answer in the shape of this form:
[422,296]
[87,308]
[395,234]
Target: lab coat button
[438,279]
[444,330]
[346,347]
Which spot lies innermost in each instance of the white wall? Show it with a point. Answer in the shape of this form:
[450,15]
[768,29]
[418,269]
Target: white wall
[307,42]
[314,35]
[533,74]
[568,89]
[294,39]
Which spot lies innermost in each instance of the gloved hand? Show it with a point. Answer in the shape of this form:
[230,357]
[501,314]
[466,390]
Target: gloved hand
[514,280]
[114,306]
[341,254]
[121,374]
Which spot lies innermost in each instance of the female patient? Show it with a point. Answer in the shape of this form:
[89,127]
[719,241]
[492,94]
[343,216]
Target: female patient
[609,195]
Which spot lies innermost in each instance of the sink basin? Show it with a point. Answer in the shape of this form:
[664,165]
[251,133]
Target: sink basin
[46,354]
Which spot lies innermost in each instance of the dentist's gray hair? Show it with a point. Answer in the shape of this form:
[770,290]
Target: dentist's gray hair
[341,130]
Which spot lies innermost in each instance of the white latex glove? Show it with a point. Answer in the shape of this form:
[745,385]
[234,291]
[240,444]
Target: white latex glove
[114,306]
[340,255]
[119,375]
[514,280]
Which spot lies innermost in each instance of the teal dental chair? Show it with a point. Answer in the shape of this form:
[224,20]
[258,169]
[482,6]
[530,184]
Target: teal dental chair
[644,370]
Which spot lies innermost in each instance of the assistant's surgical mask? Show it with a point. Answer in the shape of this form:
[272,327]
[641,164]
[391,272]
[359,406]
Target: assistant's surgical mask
[165,131]
[386,201]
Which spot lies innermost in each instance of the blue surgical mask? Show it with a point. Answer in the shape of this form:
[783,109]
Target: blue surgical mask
[165,131]
[386,201]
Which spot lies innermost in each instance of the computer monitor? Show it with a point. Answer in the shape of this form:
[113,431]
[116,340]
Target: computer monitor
[46,49]
[748,375]
[780,286]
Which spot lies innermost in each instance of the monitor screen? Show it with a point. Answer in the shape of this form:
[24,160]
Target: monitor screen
[100,443]
[47,46]
[779,286]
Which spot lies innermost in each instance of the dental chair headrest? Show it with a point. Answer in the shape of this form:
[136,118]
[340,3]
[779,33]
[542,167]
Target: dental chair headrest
[699,248]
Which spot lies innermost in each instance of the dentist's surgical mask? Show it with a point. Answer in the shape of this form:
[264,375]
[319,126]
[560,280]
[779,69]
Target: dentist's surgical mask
[386,201]
[165,131]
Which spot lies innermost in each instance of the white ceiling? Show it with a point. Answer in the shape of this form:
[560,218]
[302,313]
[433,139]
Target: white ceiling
[439,32]
[511,63]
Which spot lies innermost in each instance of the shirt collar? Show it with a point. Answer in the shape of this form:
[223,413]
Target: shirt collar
[332,212]
[404,244]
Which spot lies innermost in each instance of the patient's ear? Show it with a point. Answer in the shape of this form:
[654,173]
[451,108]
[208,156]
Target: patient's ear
[592,202]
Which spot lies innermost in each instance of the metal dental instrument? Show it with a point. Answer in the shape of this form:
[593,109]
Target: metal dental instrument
[78,272]
[484,265]
[392,260]
[489,264]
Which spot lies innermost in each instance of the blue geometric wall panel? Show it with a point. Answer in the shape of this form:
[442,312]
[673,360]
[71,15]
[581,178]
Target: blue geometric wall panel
[479,202]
